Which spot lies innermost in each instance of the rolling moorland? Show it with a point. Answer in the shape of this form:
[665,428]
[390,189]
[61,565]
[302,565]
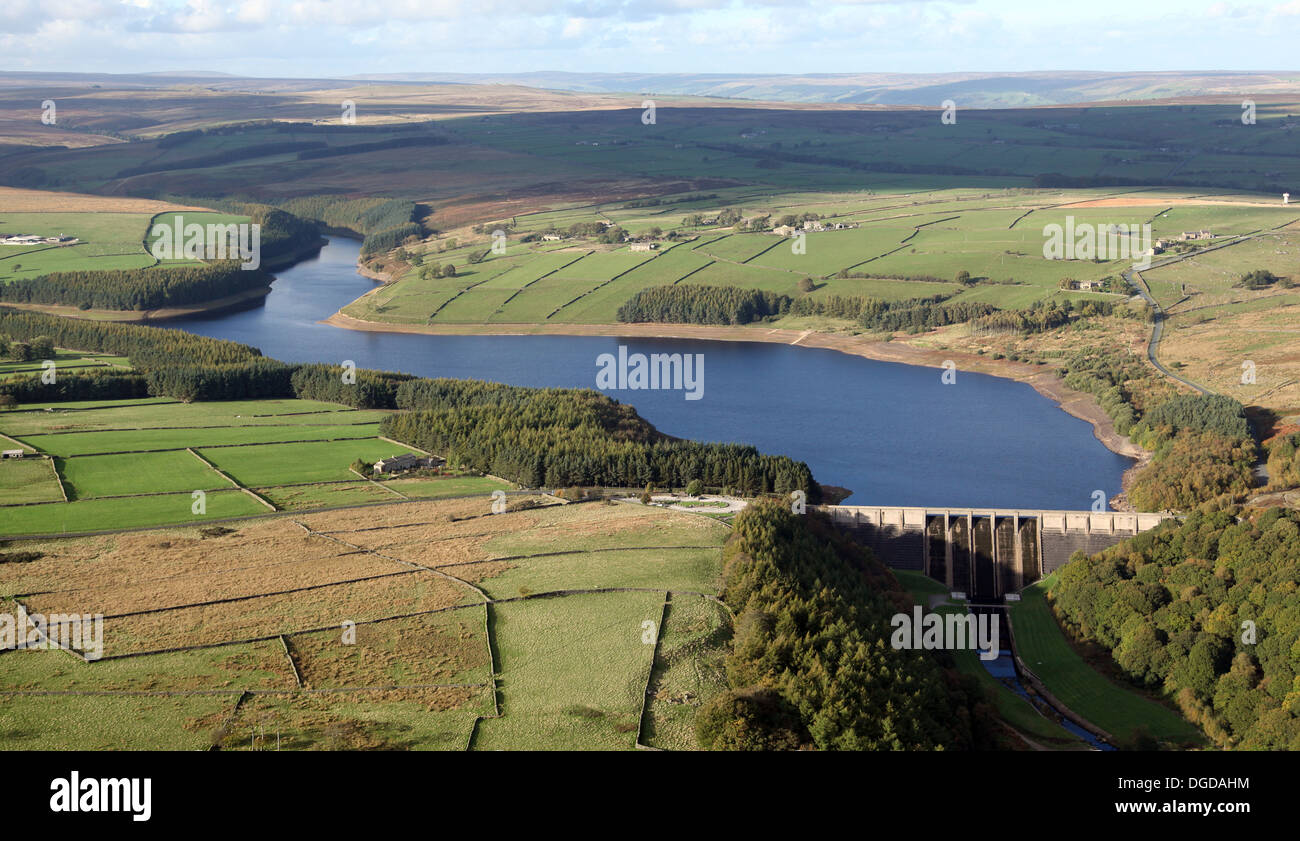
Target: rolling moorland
[519,210]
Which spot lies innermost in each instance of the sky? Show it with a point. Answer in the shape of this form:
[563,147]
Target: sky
[327,38]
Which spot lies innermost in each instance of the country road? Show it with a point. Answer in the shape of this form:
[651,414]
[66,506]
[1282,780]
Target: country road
[1134,279]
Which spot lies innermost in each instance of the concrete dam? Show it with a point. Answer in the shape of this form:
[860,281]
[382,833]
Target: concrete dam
[985,553]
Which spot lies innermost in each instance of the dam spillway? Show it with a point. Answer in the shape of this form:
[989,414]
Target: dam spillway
[986,553]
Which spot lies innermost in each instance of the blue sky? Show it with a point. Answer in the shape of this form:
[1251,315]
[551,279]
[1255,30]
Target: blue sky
[344,37]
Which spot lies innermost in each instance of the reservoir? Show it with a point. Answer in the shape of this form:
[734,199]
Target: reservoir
[894,434]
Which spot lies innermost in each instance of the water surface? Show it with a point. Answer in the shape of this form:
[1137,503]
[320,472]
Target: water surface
[894,434]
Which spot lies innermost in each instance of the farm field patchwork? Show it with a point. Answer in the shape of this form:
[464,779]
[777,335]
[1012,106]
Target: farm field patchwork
[259,613]
[911,244]
[132,463]
[64,360]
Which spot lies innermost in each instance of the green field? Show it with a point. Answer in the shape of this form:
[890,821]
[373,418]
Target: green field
[911,249]
[171,438]
[27,480]
[317,461]
[418,672]
[128,463]
[573,672]
[125,512]
[64,360]
[137,473]
[106,241]
[1044,649]
[689,666]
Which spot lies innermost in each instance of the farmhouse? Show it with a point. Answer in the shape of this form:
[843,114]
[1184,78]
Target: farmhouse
[643,246]
[1186,235]
[783,230]
[406,461]
[551,237]
[12,454]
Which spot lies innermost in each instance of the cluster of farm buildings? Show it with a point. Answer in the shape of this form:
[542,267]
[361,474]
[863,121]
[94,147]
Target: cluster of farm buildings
[34,239]
[407,461]
[813,226]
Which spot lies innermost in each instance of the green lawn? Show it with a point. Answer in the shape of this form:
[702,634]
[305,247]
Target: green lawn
[121,448]
[1044,649]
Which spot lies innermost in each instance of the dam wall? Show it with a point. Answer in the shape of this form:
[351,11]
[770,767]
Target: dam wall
[985,552]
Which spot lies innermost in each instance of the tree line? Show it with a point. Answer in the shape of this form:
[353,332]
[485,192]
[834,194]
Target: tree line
[702,304]
[692,304]
[536,437]
[562,437]
[363,216]
[1203,613]
[811,664]
[358,388]
[149,288]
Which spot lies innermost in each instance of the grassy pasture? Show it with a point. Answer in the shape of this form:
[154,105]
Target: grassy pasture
[300,497]
[689,667]
[156,722]
[296,454]
[107,241]
[137,473]
[1044,648]
[100,514]
[140,440]
[160,414]
[264,465]
[64,360]
[572,670]
[27,480]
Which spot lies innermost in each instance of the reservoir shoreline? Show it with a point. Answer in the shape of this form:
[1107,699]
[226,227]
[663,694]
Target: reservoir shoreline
[1079,404]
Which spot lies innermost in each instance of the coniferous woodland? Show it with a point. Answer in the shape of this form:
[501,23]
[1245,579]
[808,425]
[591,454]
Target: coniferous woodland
[698,304]
[88,385]
[282,236]
[703,305]
[811,663]
[369,389]
[150,288]
[536,437]
[559,437]
[174,363]
[362,216]
[1172,607]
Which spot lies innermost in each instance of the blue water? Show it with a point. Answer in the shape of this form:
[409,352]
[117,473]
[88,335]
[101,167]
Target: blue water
[894,434]
[1003,668]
